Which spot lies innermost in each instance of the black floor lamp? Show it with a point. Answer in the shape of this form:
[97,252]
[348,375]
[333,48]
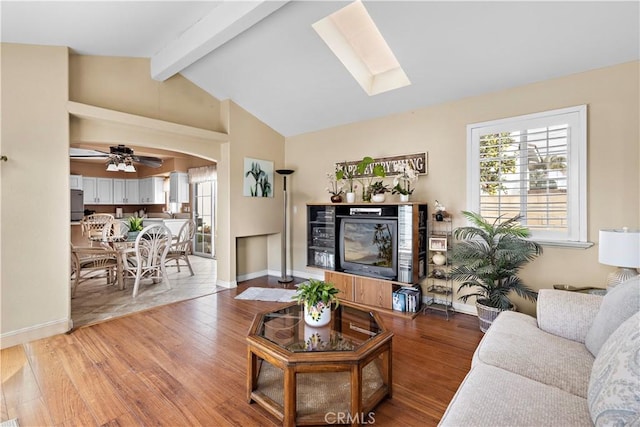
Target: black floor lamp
[283,275]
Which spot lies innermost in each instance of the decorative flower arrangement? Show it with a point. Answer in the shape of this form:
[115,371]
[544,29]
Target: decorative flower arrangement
[335,186]
[402,183]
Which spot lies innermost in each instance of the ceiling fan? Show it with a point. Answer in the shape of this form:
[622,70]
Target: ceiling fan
[120,158]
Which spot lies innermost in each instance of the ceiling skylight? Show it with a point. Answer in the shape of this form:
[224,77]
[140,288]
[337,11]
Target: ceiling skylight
[355,39]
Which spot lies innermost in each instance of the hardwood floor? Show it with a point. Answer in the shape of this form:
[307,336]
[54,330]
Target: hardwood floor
[185,364]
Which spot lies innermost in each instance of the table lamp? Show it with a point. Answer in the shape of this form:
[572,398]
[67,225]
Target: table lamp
[620,248]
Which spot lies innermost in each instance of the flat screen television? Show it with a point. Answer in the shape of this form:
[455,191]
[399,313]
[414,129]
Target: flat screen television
[369,247]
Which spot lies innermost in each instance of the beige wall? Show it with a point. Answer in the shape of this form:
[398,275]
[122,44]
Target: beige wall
[249,216]
[124,84]
[34,261]
[252,258]
[612,95]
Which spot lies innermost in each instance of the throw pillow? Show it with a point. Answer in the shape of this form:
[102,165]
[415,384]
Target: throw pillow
[615,378]
[617,306]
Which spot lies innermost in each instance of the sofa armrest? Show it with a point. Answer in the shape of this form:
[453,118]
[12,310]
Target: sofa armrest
[567,314]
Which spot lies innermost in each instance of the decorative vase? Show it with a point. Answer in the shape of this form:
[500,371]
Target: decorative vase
[336,198]
[404,197]
[439,258]
[131,235]
[377,198]
[366,194]
[351,197]
[317,315]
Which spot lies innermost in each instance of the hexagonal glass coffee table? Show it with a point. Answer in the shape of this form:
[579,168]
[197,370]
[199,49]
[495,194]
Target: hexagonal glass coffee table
[329,375]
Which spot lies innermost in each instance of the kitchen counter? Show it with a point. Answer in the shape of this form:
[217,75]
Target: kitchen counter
[172,224]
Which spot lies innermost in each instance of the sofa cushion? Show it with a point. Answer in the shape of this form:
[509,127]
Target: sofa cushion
[515,343]
[491,396]
[615,380]
[618,305]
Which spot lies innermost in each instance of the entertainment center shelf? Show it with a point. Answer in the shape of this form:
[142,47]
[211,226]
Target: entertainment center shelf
[370,251]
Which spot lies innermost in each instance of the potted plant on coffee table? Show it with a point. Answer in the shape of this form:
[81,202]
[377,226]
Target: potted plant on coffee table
[487,260]
[317,297]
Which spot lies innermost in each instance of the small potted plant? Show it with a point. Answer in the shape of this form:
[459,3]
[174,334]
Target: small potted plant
[348,174]
[135,226]
[362,170]
[335,187]
[377,190]
[402,182]
[487,260]
[317,297]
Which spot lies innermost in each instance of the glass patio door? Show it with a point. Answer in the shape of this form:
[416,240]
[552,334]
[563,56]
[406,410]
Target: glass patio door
[204,215]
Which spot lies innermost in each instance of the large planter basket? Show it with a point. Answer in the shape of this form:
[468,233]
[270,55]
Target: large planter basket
[486,314]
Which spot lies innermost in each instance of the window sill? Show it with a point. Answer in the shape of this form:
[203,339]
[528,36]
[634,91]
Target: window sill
[568,245]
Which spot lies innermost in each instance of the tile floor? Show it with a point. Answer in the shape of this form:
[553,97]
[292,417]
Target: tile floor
[95,301]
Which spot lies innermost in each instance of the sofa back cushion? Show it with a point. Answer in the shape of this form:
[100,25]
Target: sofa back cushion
[615,378]
[618,305]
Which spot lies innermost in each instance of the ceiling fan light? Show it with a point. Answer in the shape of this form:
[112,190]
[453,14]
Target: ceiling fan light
[122,166]
[129,168]
[111,167]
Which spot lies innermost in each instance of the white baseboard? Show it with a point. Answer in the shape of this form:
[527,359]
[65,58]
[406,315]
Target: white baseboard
[229,285]
[36,332]
[249,276]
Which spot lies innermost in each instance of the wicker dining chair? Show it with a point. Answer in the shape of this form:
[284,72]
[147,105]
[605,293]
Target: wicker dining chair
[92,262]
[146,259]
[115,229]
[182,248]
[92,225]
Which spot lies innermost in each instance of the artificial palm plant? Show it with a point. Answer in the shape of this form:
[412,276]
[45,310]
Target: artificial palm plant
[488,258]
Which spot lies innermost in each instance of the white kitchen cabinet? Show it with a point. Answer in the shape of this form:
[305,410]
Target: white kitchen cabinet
[75,182]
[178,187]
[126,191]
[152,191]
[97,191]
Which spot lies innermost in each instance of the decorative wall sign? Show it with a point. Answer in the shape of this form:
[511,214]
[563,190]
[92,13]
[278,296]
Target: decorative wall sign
[258,178]
[419,163]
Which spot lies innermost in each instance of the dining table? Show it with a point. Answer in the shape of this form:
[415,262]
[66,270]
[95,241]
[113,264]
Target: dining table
[122,245]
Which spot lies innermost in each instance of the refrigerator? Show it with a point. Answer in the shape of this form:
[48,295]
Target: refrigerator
[77,205]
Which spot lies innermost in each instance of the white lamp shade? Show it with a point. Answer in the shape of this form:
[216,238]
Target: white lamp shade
[620,248]
[112,167]
[129,168]
[122,166]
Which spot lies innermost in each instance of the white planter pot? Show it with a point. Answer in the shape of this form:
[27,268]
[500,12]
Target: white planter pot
[377,198]
[318,315]
[404,197]
[351,197]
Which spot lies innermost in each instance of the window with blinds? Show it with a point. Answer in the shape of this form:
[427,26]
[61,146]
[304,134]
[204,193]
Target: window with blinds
[533,166]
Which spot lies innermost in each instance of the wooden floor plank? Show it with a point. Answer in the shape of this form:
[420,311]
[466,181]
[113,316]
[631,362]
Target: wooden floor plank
[185,364]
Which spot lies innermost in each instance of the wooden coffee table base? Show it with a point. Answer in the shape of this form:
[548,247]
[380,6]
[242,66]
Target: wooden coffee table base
[303,387]
[320,393]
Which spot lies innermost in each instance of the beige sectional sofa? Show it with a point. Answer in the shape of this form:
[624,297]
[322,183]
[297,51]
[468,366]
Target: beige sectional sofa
[577,364]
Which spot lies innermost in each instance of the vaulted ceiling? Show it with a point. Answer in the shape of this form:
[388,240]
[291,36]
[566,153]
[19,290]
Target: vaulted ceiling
[267,58]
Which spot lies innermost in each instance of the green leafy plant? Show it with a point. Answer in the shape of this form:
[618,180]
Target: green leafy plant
[135,223]
[362,168]
[488,258]
[379,187]
[348,174]
[314,291]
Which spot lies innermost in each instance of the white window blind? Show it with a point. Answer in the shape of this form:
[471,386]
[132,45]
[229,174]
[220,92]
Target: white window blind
[533,166]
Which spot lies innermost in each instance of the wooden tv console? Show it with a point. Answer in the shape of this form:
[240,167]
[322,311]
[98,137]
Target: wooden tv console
[323,228]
